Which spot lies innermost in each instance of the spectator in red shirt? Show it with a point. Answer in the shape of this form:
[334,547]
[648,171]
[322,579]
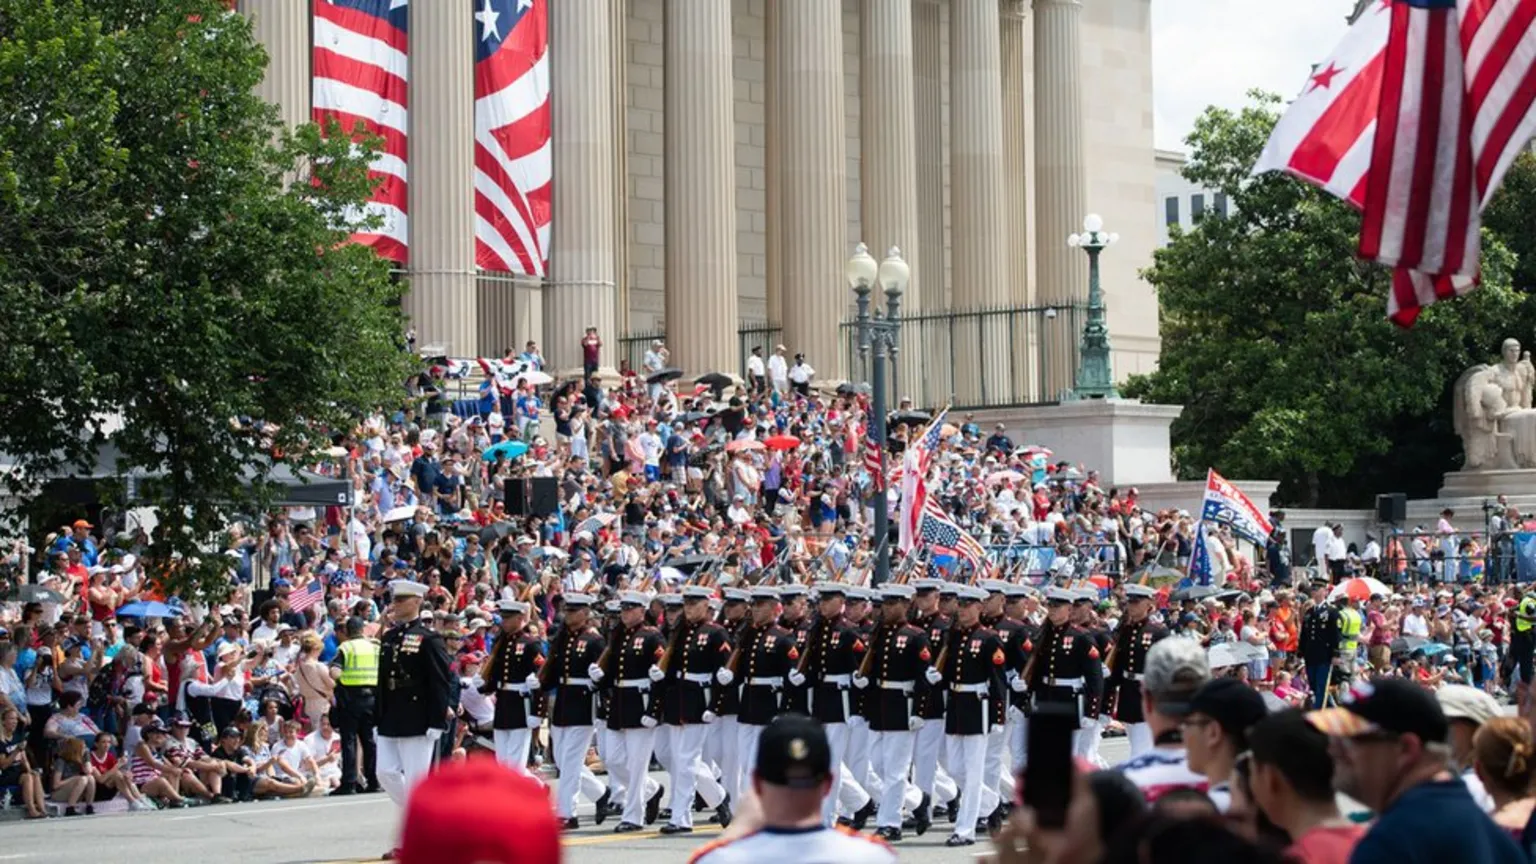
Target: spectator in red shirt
[591,345]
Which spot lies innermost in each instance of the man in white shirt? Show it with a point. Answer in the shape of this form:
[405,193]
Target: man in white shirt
[324,746]
[1414,623]
[650,449]
[757,372]
[778,371]
[1321,538]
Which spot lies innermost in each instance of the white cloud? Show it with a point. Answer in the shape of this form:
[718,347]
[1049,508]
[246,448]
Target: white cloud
[1212,53]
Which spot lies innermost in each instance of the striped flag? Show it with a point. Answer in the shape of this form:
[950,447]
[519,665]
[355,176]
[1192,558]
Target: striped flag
[874,458]
[513,163]
[942,533]
[1414,120]
[303,598]
[361,69]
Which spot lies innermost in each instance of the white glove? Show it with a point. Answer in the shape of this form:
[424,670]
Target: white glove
[655,673]
[595,672]
[648,721]
[933,675]
[915,723]
[1015,712]
[434,734]
[1018,685]
[725,677]
[860,681]
[709,717]
[1088,722]
[535,721]
[532,682]
[796,677]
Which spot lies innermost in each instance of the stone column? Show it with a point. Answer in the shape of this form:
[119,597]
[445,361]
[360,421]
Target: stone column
[814,182]
[442,192]
[700,187]
[1019,149]
[283,27]
[979,218]
[888,176]
[773,242]
[580,292]
[1060,177]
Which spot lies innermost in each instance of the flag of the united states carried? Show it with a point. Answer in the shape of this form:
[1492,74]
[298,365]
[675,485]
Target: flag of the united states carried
[1414,119]
[874,458]
[943,533]
[513,163]
[361,73]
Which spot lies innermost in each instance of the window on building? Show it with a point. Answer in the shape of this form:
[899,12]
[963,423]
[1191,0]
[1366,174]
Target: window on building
[1219,203]
[1196,207]
[1171,210]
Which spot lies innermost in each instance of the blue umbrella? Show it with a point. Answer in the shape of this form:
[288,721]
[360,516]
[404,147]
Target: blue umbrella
[509,449]
[147,609]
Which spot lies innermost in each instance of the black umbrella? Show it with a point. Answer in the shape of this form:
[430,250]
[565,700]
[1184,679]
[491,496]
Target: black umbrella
[911,418]
[35,594]
[1407,644]
[716,381]
[671,373]
[852,388]
[495,531]
[1067,474]
[1196,592]
[693,417]
[689,563]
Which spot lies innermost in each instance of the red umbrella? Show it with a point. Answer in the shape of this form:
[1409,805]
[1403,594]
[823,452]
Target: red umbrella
[743,445]
[781,442]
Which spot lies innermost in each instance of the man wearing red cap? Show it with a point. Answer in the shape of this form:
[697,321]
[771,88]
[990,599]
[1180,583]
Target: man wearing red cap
[479,811]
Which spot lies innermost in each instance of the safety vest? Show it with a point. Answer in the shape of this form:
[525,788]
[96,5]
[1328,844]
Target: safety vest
[1528,608]
[1349,630]
[359,663]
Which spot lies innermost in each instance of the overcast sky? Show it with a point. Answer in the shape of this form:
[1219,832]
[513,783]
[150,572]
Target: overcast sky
[1211,53]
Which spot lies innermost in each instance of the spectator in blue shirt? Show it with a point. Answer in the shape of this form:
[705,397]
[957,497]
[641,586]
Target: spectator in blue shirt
[1389,742]
[80,535]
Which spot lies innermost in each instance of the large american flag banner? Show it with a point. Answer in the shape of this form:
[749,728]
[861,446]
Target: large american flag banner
[942,533]
[361,74]
[513,164]
[1414,120]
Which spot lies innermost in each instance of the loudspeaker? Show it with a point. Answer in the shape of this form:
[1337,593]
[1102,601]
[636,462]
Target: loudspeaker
[543,496]
[1392,508]
[515,494]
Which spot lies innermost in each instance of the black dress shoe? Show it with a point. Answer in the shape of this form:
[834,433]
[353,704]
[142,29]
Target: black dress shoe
[861,818]
[669,828]
[601,805]
[957,840]
[995,820]
[371,788]
[922,817]
[392,855]
[653,805]
[664,814]
[570,824]
[626,828]
[698,803]
[723,812]
[981,828]
[952,809]
[888,834]
[345,789]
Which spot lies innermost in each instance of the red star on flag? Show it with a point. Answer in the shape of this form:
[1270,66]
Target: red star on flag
[1324,79]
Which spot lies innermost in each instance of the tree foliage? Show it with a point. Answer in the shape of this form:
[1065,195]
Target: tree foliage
[171,256]
[1275,337]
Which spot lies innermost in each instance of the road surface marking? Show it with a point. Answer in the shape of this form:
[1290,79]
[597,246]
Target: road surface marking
[243,812]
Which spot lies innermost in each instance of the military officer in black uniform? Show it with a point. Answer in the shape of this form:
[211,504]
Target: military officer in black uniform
[972,671]
[511,673]
[1065,667]
[1318,643]
[1126,662]
[415,688]
[696,650]
[930,778]
[569,677]
[633,709]
[795,617]
[857,757]
[895,673]
[1018,633]
[763,656]
[833,652]
[720,747]
[1086,617]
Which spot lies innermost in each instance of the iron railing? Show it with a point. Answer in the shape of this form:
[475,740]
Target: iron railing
[632,348]
[750,334]
[987,358]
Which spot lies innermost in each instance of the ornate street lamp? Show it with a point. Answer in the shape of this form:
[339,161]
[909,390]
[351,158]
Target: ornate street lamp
[881,334]
[1094,378]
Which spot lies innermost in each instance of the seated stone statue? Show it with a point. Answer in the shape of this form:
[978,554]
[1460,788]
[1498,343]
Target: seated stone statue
[1493,413]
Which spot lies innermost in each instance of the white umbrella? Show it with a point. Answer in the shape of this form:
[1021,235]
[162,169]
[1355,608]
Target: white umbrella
[535,377]
[672,575]
[552,552]
[1222,656]
[401,513]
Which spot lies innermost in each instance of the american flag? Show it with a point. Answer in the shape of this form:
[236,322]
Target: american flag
[361,70]
[303,598]
[913,473]
[874,458]
[941,532]
[928,443]
[513,164]
[1414,119]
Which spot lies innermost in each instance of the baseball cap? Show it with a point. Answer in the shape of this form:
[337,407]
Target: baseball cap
[1232,704]
[142,709]
[479,810]
[1175,669]
[1384,705]
[793,752]
[1461,702]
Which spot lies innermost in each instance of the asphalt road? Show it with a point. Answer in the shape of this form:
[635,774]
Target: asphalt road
[345,830]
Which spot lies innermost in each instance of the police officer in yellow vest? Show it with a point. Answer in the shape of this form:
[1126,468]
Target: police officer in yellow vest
[1350,622]
[1522,643]
[356,671]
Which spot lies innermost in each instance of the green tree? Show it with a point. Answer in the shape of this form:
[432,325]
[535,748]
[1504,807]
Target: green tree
[171,256]
[1275,337]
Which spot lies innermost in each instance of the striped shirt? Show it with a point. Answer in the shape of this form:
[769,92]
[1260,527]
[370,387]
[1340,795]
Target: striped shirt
[1160,771]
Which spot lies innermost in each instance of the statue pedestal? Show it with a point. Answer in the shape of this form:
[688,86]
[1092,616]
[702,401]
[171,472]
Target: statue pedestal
[1125,440]
[1488,483]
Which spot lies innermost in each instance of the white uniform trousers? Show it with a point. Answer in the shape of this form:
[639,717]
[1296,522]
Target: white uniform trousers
[891,753]
[1140,737]
[402,762]
[927,774]
[858,756]
[968,759]
[610,746]
[1018,739]
[1085,744]
[846,792]
[746,752]
[996,777]
[721,746]
[569,745]
[632,761]
[685,764]
[512,748]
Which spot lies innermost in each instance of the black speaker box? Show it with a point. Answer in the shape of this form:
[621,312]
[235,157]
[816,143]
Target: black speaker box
[1392,508]
[543,496]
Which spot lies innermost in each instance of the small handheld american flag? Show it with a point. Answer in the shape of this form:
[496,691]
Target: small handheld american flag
[303,598]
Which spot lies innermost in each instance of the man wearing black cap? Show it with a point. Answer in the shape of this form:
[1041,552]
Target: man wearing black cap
[1127,665]
[793,775]
[1388,739]
[1216,731]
